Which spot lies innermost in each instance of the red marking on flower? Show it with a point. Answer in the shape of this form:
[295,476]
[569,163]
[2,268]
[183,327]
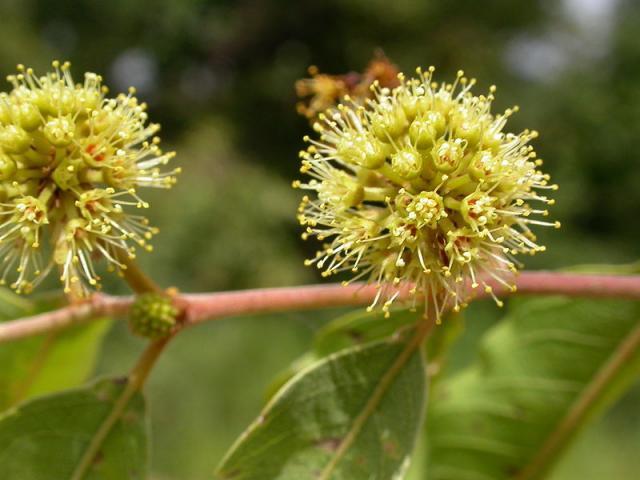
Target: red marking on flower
[462,241]
[90,149]
[442,254]
[472,213]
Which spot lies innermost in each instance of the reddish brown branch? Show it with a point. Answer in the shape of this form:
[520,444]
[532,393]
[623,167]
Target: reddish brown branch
[201,307]
[98,306]
[209,306]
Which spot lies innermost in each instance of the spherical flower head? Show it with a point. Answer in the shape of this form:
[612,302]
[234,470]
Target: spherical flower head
[71,162]
[423,187]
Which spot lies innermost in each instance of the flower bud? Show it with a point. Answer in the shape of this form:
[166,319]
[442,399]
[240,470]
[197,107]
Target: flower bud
[14,139]
[7,167]
[481,165]
[363,150]
[390,122]
[407,163]
[344,191]
[59,131]
[447,155]
[153,316]
[29,116]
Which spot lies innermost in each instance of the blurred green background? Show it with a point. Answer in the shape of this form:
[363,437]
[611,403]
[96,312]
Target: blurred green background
[219,76]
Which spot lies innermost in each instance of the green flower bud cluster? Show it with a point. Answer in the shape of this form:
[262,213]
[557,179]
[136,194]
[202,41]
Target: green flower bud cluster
[152,316]
[422,185]
[71,160]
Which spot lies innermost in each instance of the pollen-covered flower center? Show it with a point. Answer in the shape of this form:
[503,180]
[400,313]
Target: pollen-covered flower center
[71,161]
[425,209]
[451,195]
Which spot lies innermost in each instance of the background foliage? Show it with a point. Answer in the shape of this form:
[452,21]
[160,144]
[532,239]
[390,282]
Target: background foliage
[218,75]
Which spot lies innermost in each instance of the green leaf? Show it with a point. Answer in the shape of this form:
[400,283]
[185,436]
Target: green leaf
[45,439]
[354,415]
[544,371]
[358,328]
[45,363]
[361,327]
[302,362]
[13,305]
[417,469]
[352,329]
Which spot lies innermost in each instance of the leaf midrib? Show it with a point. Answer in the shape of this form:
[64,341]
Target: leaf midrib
[376,397]
[581,407]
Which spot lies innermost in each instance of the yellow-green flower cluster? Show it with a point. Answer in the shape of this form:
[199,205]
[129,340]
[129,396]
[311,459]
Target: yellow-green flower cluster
[71,160]
[422,186]
[153,315]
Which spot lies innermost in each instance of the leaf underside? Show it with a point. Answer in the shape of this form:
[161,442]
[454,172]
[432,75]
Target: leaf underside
[45,439]
[44,363]
[301,430]
[543,372]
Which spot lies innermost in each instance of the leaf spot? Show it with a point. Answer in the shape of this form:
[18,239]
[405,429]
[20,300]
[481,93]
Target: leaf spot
[329,444]
[391,449]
